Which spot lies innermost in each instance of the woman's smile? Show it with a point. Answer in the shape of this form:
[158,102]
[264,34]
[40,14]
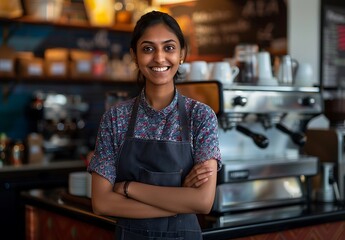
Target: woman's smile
[159,69]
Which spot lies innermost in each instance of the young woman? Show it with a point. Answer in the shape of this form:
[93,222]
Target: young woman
[156,157]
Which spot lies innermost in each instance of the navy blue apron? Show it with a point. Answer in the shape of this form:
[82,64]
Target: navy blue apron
[157,162]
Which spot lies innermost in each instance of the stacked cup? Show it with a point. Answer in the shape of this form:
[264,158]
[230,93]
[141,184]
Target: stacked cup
[265,73]
[88,185]
[198,71]
[202,70]
[77,183]
[304,75]
[224,72]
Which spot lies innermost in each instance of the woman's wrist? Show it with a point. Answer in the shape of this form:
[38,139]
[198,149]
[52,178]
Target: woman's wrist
[125,188]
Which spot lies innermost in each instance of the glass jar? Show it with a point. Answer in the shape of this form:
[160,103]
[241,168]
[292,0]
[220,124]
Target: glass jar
[245,57]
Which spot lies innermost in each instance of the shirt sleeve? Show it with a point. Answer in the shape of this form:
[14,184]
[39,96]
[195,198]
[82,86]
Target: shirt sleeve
[106,152]
[205,134]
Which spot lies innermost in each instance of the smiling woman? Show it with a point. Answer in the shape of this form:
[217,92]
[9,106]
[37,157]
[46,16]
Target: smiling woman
[156,156]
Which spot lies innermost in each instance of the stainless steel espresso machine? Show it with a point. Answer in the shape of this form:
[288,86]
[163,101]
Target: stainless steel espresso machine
[60,119]
[262,131]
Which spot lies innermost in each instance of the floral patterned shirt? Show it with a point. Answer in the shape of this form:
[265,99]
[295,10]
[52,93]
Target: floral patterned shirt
[158,125]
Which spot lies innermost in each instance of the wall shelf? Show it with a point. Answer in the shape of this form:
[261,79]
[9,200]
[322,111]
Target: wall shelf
[67,80]
[66,24]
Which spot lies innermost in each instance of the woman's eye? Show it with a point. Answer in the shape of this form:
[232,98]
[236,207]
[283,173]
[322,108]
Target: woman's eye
[148,49]
[170,48]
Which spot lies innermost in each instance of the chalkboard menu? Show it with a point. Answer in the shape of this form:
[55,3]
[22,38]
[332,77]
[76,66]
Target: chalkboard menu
[216,27]
[333,42]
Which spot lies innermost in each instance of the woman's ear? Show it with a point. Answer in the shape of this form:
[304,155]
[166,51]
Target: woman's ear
[183,55]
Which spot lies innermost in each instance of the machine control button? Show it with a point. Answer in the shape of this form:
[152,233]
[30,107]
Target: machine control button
[307,101]
[239,101]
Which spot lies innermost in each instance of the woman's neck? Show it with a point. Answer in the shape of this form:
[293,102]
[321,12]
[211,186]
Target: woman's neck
[159,97]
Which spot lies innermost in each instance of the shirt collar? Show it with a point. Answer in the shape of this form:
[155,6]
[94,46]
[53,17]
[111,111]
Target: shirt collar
[151,111]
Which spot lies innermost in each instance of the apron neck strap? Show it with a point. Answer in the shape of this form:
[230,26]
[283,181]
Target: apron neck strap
[183,118]
[133,119]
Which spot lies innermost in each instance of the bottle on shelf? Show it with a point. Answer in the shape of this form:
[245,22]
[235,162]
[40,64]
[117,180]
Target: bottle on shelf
[4,144]
[17,153]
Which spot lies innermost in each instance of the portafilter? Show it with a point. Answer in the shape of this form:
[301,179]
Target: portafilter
[259,139]
[298,138]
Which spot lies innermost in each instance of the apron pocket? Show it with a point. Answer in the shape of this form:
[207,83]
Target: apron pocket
[167,179]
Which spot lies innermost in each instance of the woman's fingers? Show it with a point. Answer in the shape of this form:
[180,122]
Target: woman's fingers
[198,175]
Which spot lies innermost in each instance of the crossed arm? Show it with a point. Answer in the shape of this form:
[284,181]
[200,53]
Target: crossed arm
[149,201]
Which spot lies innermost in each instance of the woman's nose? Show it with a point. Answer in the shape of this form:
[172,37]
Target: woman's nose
[159,56]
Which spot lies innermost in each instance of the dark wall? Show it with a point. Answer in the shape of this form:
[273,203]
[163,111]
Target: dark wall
[36,38]
[215,28]
[332,70]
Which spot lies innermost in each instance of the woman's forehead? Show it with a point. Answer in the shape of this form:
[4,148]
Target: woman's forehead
[158,33]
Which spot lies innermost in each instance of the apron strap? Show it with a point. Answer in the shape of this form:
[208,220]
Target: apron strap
[181,110]
[183,118]
[133,119]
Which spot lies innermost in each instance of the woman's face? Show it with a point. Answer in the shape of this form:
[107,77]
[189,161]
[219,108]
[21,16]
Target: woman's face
[158,54]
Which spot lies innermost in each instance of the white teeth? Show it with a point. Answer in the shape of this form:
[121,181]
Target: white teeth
[159,69]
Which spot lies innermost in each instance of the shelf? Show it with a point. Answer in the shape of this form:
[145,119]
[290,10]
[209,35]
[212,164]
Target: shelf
[64,24]
[66,80]
[278,88]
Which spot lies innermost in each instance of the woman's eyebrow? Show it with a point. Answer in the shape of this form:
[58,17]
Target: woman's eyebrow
[164,42]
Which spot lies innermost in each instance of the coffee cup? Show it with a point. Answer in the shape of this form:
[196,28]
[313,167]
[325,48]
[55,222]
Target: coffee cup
[304,75]
[184,71]
[210,66]
[198,71]
[88,185]
[223,72]
[264,66]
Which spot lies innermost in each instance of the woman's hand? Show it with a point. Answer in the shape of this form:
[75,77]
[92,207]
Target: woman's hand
[118,188]
[198,175]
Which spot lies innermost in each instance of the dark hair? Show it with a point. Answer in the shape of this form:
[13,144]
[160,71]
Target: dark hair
[152,18]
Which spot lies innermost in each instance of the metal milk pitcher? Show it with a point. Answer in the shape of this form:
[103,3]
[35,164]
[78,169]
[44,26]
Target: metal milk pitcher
[328,191]
[287,69]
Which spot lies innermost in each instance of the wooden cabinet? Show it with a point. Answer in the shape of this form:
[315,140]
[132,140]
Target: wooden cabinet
[15,179]
[44,224]
[51,214]
[48,225]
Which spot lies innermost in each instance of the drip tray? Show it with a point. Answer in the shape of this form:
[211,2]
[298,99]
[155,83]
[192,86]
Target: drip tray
[244,218]
[258,194]
[264,168]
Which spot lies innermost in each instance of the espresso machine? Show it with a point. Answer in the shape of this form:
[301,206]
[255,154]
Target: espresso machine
[60,119]
[261,134]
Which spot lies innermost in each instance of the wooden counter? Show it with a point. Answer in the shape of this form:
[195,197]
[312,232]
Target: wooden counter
[15,179]
[72,218]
